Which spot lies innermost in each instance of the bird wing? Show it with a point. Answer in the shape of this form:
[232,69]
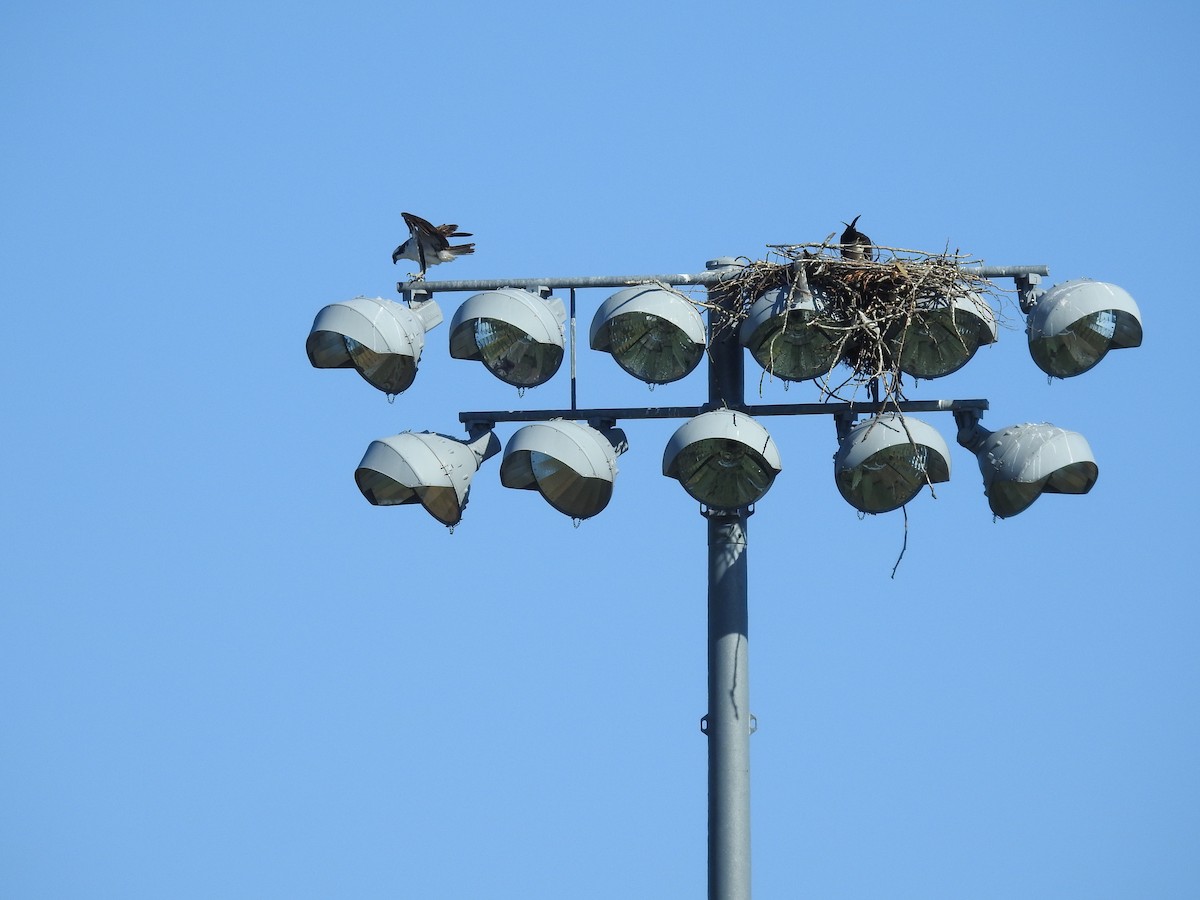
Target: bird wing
[425,236]
[418,226]
[425,232]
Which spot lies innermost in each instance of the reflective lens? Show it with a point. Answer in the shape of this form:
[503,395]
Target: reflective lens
[513,356]
[793,349]
[566,490]
[889,478]
[389,372]
[936,344]
[723,473]
[1078,348]
[652,349]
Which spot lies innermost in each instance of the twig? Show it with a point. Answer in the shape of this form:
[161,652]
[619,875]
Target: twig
[904,546]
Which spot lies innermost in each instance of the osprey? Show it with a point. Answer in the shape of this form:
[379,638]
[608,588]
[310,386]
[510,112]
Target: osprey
[428,244]
[855,244]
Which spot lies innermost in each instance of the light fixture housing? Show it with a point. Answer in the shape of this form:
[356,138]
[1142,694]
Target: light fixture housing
[1022,462]
[381,339]
[423,467]
[780,335]
[1074,324]
[944,334]
[516,334]
[570,464]
[653,333]
[723,458]
[883,462]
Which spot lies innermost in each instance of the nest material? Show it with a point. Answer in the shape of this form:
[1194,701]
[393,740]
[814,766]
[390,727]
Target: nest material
[864,305]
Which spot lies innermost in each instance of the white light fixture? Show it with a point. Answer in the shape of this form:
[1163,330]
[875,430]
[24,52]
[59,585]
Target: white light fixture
[380,338]
[516,334]
[653,333]
[883,462]
[571,465]
[723,458]
[1022,462]
[944,334]
[779,334]
[423,467]
[1073,325]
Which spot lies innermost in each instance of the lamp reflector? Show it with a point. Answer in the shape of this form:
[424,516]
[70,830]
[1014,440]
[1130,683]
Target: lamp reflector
[779,334]
[1022,462]
[571,465]
[1074,325]
[723,458]
[516,334]
[653,333]
[944,334]
[423,467]
[883,462]
[381,339]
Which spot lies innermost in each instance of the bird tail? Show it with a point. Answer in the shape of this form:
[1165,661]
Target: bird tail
[461,249]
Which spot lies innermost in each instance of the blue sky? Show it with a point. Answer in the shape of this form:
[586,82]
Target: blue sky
[224,674]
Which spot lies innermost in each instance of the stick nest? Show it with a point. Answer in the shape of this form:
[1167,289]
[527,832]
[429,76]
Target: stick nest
[864,304]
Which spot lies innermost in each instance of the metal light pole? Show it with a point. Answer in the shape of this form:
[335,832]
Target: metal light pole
[728,723]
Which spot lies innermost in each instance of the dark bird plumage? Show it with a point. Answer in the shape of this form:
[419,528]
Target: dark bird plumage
[428,244]
[855,244]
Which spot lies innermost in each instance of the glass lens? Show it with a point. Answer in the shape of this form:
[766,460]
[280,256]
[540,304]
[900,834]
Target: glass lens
[381,490]
[1076,478]
[513,356]
[723,473]
[886,481]
[793,349]
[566,490]
[1007,498]
[936,344]
[652,349]
[1077,349]
[442,503]
[389,372]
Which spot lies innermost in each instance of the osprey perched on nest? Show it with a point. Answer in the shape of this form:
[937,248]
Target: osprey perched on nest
[428,244]
[855,244]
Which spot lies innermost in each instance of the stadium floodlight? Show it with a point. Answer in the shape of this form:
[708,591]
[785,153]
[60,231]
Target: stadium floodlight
[423,467]
[653,333]
[516,334]
[1022,462]
[1074,324]
[723,458]
[380,338]
[883,462]
[570,464]
[780,334]
[944,334]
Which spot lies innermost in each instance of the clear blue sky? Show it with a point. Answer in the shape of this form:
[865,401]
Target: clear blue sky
[224,674]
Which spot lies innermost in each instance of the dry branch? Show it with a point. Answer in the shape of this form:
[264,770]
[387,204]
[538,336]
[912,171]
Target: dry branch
[864,305]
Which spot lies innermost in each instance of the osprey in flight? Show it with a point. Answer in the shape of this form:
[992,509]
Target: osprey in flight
[428,244]
[855,244]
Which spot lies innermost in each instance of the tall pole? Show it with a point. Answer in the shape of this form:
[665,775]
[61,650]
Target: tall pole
[728,720]
[727,724]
